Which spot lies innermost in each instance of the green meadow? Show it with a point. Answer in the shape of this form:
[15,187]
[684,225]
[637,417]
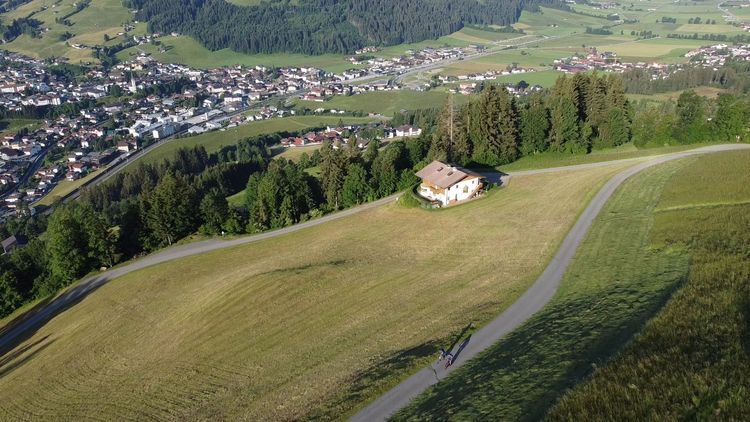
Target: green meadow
[309,325]
[639,252]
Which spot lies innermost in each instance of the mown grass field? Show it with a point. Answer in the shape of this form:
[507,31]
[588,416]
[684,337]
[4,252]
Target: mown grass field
[385,103]
[623,152]
[691,361]
[213,141]
[301,326]
[618,280]
[64,187]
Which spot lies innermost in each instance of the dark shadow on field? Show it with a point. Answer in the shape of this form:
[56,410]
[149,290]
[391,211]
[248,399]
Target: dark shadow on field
[460,335]
[299,269]
[522,376]
[10,361]
[745,309]
[461,347]
[26,325]
[365,383]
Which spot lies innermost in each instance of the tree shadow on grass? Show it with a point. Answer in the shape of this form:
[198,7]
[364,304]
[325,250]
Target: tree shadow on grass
[25,326]
[372,380]
[522,376]
[10,362]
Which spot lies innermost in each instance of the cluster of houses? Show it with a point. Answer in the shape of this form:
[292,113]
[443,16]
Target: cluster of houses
[339,136]
[607,62]
[715,56]
[401,64]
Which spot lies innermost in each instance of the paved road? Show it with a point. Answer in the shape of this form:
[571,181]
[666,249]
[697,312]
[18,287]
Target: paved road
[533,300]
[530,302]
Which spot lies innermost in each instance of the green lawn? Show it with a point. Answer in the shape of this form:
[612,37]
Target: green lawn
[618,280]
[627,151]
[213,141]
[11,126]
[691,361]
[65,187]
[237,200]
[385,103]
[302,326]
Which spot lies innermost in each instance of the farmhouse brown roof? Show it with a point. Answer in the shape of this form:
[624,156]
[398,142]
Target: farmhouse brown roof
[444,175]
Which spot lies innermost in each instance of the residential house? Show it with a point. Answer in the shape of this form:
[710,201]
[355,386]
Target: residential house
[446,184]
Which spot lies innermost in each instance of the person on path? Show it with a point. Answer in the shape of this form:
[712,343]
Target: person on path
[442,355]
[448,360]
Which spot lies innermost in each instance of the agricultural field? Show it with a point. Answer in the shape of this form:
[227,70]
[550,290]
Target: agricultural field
[88,27]
[691,360]
[384,103]
[346,309]
[213,141]
[604,301]
[705,91]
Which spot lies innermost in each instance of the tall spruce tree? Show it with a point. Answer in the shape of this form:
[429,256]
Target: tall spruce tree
[534,126]
[333,172]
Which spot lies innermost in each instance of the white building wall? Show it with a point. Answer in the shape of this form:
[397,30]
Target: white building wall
[461,191]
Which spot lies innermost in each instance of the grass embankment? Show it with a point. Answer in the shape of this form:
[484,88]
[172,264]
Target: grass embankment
[65,187]
[310,324]
[386,103]
[215,140]
[693,360]
[623,152]
[618,280]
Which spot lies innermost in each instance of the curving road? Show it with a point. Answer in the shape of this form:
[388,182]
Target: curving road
[533,300]
[538,295]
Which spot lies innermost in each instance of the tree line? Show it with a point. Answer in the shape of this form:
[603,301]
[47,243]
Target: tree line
[578,114]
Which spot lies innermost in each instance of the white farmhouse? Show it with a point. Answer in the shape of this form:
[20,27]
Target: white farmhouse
[446,184]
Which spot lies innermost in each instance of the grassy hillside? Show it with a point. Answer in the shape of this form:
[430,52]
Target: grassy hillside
[308,324]
[385,103]
[213,141]
[691,361]
[619,279]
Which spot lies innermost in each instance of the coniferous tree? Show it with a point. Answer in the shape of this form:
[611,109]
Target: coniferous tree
[333,172]
[356,190]
[442,141]
[486,150]
[507,143]
[171,210]
[534,126]
[564,131]
[731,117]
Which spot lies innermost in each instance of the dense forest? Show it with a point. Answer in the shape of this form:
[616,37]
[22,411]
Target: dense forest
[319,26]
